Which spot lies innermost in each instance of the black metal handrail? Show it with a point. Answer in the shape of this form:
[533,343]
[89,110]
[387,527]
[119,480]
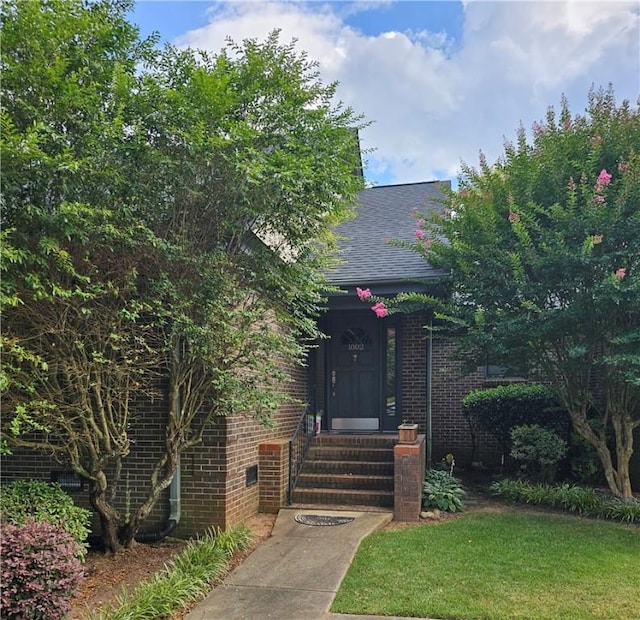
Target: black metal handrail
[299,446]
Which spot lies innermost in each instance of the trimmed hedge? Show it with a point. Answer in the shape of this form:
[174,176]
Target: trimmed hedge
[498,410]
[585,501]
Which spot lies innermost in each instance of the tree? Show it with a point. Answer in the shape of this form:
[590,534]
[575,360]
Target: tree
[544,255]
[166,217]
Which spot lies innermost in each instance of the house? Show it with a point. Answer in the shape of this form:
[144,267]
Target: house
[367,377]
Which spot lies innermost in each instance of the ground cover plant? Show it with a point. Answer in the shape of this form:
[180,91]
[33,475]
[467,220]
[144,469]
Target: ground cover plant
[184,580]
[499,565]
[442,491]
[586,501]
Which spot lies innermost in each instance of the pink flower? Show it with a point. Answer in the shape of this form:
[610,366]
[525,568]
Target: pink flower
[595,140]
[513,217]
[604,178]
[380,309]
[597,239]
[363,293]
[621,273]
[428,243]
[623,166]
[599,198]
[419,234]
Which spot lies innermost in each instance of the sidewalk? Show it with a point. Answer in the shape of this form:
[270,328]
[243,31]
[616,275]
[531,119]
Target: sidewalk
[295,574]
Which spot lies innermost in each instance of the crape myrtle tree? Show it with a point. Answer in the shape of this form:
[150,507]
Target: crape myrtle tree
[166,219]
[543,250]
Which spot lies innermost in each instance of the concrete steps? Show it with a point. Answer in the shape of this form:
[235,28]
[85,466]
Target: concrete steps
[348,470]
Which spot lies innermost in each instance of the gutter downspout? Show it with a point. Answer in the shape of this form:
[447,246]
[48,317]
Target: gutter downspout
[174,512]
[175,498]
[429,383]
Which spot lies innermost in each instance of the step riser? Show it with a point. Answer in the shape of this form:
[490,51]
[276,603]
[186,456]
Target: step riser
[330,453]
[343,498]
[357,441]
[356,483]
[356,468]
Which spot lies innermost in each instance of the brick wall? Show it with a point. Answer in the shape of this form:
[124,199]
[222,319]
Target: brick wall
[214,489]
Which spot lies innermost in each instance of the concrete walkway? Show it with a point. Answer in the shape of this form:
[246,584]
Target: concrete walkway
[295,574]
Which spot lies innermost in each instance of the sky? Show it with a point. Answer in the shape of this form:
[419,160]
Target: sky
[440,82]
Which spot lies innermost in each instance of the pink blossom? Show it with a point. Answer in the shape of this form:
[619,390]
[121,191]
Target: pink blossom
[428,243]
[604,178]
[595,140]
[514,217]
[363,293]
[623,166]
[599,198]
[380,309]
[419,234]
[597,239]
[621,273]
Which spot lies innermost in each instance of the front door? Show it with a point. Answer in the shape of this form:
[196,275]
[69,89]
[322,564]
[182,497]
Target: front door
[354,374]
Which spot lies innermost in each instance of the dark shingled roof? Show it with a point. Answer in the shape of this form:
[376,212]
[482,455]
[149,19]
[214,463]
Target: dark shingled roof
[383,213]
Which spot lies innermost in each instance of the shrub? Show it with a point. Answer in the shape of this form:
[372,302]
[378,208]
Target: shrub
[499,409]
[40,571]
[441,490]
[538,449]
[32,499]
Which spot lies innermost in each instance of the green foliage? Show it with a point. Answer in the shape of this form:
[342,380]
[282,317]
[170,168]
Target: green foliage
[499,409]
[570,498]
[441,490]
[543,248]
[538,449]
[22,500]
[166,213]
[40,570]
[187,578]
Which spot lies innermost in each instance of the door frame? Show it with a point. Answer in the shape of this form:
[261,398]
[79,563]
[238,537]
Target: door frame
[385,421]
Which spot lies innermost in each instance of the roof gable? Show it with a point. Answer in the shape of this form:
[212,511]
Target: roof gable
[384,213]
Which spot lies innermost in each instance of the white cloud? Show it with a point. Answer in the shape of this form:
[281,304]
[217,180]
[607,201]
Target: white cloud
[434,104]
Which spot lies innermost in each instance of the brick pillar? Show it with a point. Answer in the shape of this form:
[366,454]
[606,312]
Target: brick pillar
[409,471]
[274,474]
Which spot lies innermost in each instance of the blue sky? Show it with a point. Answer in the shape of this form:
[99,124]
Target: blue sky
[440,81]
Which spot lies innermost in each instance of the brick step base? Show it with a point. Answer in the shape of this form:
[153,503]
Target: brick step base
[343,497]
[346,481]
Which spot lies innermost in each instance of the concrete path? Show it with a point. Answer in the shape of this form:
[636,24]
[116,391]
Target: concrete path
[295,574]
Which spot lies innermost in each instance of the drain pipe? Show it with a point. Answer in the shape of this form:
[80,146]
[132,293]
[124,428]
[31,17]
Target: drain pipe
[174,512]
[429,382]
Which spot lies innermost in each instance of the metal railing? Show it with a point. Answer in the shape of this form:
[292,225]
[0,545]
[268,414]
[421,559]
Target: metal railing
[299,446]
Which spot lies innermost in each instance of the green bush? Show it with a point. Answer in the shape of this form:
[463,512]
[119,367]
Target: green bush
[538,449]
[499,409]
[32,499]
[569,498]
[441,490]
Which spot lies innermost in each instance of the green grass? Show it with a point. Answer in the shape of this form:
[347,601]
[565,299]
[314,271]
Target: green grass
[511,565]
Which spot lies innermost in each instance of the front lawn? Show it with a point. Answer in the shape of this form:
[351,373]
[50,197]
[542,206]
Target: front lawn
[507,565]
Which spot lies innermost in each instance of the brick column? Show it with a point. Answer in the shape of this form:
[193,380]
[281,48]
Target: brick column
[274,474]
[409,471]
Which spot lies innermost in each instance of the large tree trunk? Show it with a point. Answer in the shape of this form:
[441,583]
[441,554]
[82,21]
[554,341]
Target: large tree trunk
[109,516]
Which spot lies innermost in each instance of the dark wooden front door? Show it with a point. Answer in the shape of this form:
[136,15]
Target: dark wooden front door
[354,374]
